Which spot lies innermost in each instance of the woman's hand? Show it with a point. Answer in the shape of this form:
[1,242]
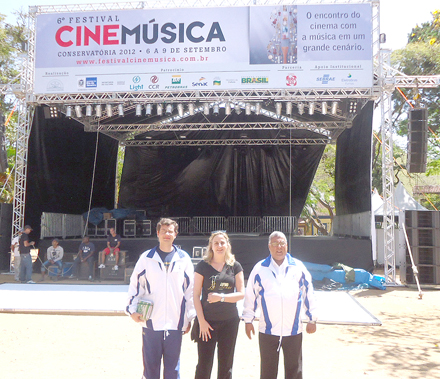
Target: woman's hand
[214,297]
[205,330]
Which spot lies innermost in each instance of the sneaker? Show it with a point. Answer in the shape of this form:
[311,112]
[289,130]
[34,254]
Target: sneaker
[30,282]
[102,265]
[72,276]
[90,278]
[116,267]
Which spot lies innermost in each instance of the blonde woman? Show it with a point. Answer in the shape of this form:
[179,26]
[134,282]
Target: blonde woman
[218,285]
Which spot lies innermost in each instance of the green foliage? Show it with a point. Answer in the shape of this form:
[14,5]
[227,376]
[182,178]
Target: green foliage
[428,32]
[12,41]
[119,166]
[421,56]
[321,197]
[399,165]
[431,201]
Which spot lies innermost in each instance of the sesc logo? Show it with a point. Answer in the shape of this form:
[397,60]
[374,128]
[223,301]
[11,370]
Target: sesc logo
[92,82]
[325,79]
[291,80]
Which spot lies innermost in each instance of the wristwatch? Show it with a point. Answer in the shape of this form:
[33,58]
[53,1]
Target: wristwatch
[223,298]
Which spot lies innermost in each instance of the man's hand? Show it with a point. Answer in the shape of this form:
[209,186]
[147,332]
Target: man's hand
[188,328]
[250,330]
[137,317]
[311,328]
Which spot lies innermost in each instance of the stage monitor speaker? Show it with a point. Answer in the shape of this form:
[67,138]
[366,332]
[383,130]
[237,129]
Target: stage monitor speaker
[417,140]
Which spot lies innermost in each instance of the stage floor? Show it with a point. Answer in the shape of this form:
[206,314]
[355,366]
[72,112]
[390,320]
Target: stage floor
[335,307]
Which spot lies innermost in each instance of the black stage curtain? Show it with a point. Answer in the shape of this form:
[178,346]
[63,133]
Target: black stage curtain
[218,180]
[353,165]
[5,235]
[60,169]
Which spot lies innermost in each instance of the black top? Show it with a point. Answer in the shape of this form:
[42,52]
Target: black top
[24,249]
[113,240]
[166,257]
[220,282]
[86,249]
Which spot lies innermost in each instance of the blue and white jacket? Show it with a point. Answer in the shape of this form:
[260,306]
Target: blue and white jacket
[281,294]
[171,292]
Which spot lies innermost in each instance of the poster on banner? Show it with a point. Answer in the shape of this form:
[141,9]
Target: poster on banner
[280,46]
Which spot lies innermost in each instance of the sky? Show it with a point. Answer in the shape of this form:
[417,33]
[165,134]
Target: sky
[397,17]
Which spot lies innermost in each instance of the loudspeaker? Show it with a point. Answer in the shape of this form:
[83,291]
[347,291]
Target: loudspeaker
[417,140]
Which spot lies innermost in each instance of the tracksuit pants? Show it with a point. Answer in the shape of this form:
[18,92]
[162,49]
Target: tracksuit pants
[269,356]
[224,336]
[158,344]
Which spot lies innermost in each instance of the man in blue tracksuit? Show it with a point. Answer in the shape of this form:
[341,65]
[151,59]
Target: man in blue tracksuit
[164,276]
[281,287]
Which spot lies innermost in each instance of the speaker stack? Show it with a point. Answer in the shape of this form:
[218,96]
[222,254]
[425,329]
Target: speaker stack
[423,228]
[417,140]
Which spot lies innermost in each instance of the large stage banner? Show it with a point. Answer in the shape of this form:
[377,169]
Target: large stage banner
[257,47]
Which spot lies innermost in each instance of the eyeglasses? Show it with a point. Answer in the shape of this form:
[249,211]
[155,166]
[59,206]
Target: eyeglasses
[276,244]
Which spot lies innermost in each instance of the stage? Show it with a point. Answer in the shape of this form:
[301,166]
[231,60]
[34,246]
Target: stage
[248,249]
[336,307]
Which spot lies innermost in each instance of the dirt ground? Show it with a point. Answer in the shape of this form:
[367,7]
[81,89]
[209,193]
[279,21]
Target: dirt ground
[406,346]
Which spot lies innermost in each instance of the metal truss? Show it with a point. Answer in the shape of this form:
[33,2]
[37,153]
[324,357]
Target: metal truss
[320,127]
[207,96]
[329,131]
[391,79]
[417,81]
[229,142]
[23,92]
[153,4]
[387,172]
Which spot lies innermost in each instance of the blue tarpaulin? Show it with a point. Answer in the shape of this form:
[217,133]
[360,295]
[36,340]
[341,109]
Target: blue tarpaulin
[321,272]
[96,215]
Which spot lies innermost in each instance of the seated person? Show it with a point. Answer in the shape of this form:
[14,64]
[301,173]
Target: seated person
[113,243]
[54,256]
[86,253]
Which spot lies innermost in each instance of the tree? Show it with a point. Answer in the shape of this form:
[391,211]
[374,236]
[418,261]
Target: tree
[12,41]
[321,198]
[421,56]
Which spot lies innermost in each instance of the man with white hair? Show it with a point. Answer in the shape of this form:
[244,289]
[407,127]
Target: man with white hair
[281,287]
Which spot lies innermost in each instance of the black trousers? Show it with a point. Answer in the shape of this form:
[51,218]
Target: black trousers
[269,356]
[224,337]
[77,262]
